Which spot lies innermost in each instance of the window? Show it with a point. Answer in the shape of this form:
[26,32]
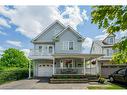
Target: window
[111,52]
[122,72]
[65,45]
[71,45]
[68,45]
[50,49]
[107,52]
[43,65]
[39,65]
[40,48]
[111,40]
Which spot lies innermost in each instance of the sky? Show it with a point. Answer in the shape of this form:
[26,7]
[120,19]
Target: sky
[20,24]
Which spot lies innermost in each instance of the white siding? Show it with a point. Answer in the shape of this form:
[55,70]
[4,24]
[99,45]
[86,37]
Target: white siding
[96,49]
[48,35]
[45,48]
[61,46]
[105,51]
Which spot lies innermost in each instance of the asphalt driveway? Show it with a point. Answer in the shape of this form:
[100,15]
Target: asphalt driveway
[41,84]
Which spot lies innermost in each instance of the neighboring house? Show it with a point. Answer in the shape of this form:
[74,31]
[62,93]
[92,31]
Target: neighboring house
[104,47]
[58,51]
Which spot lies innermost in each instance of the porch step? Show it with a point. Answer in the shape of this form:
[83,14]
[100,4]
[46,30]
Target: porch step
[73,78]
[52,80]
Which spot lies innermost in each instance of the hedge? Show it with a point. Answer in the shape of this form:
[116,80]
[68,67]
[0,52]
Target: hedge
[13,74]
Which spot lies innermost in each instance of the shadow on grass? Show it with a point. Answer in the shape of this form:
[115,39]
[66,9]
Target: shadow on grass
[115,86]
[120,84]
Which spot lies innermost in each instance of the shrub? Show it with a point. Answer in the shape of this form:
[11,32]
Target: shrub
[101,80]
[13,74]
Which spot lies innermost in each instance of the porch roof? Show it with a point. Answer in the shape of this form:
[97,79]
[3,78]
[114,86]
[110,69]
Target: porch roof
[77,55]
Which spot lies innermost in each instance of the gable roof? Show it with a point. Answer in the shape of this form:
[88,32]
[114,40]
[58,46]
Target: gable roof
[108,36]
[45,30]
[98,42]
[73,31]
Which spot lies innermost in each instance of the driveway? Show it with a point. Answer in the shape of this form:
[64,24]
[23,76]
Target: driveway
[41,84]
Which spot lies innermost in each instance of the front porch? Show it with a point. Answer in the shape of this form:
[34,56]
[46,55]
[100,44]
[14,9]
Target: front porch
[75,64]
[65,64]
[69,66]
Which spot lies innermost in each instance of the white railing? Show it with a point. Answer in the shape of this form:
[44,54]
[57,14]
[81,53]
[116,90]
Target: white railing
[64,70]
[36,52]
[106,57]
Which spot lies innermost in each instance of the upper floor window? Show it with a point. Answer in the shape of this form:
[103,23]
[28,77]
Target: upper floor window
[111,40]
[40,48]
[65,45]
[68,45]
[50,49]
[107,52]
[71,45]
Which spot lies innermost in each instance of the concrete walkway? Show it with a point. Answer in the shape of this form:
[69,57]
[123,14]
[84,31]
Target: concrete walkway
[41,84]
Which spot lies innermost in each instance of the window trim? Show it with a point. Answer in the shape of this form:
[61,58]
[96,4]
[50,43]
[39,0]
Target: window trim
[65,45]
[110,40]
[52,49]
[107,52]
[69,45]
[40,49]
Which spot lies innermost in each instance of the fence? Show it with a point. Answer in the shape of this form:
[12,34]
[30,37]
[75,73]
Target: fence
[107,69]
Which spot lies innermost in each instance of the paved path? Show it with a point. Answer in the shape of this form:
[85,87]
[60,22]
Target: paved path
[37,84]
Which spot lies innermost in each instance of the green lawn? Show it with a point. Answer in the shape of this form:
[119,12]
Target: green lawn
[108,86]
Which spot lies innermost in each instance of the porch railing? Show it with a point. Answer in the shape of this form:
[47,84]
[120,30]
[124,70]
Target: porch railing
[36,52]
[75,70]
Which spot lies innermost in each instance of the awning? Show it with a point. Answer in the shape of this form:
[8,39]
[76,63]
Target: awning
[77,55]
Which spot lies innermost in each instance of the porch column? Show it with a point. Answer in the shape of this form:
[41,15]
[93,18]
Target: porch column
[34,68]
[53,66]
[97,66]
[84,66]
[29,70]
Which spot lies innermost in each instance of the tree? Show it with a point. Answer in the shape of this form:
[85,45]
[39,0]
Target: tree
[14,58]
[121,55]
[113,19]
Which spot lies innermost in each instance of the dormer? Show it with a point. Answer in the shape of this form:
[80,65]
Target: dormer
[109,40]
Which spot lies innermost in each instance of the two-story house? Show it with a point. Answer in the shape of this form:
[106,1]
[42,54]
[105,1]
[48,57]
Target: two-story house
[104,47]
[58,51]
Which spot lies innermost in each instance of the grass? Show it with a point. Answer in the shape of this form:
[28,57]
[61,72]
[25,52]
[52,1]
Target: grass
[108,86]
